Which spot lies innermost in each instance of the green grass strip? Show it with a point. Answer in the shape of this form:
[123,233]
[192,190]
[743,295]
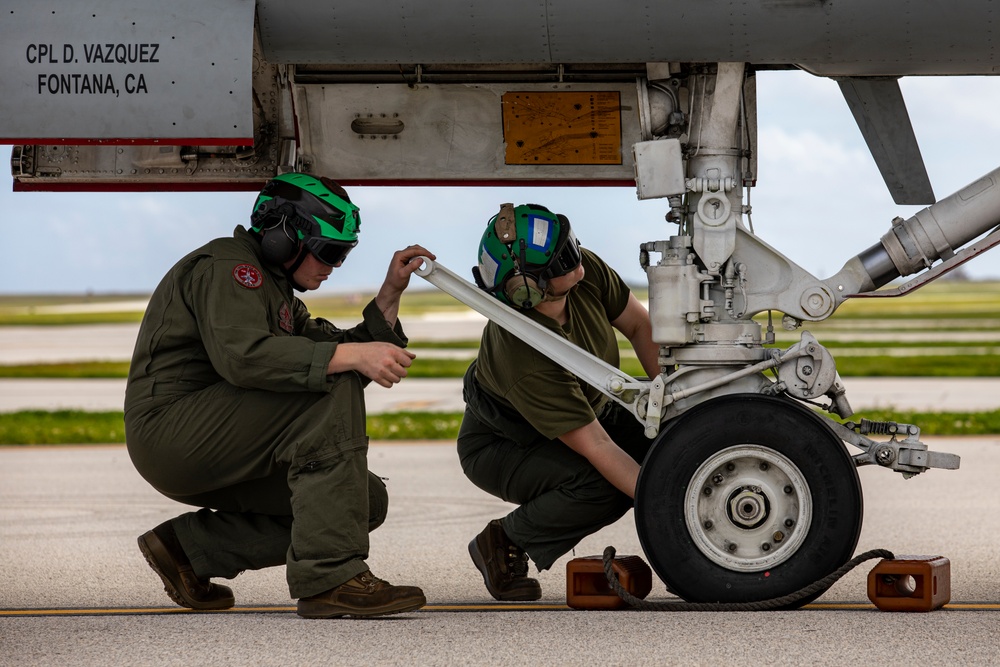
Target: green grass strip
[65,427]
[73,370]
[937,423]
[67,319]
[958,365]
[71,427]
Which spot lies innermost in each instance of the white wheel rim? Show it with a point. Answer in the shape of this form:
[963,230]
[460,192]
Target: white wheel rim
[748,508]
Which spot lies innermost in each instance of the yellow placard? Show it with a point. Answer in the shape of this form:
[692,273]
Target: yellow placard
[562,127]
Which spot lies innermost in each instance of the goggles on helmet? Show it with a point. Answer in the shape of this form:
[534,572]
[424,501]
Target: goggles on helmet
[319,210]
[328,251]
[565,258]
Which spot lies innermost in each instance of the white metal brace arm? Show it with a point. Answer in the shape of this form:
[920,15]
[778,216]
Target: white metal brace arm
[611,381]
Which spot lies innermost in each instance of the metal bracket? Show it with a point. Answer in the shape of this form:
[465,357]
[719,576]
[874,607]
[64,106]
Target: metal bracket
[908,456]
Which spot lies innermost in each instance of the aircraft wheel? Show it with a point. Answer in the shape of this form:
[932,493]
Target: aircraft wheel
[747,498]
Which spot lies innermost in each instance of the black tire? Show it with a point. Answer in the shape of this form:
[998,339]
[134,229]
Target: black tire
[766,461]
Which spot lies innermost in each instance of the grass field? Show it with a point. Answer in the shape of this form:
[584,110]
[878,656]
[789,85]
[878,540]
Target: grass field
[945,329]
[74,427]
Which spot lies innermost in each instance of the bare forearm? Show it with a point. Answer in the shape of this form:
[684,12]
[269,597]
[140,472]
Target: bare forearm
[634,323]
[397,278]
[618,468]
[593,443]
[648,353]
[388,303]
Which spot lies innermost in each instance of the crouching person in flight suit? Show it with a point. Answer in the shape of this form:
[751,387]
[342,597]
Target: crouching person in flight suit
[533,433]
[240,403]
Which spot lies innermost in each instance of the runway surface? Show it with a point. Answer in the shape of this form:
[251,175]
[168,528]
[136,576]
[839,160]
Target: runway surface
[75,590]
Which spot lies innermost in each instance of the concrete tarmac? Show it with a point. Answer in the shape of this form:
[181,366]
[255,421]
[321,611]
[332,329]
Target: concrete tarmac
[75,590]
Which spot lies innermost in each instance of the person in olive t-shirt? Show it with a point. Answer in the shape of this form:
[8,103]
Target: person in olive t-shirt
[240,403]
[533,433]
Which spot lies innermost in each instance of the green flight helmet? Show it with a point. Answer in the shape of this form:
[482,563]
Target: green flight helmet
[522,248]
[296,208]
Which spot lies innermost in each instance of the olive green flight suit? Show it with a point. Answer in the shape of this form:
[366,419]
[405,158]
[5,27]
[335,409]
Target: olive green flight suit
[229,408]
[518,403]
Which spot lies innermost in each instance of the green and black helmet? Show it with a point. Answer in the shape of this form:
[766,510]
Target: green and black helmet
[317,212]
[523,248]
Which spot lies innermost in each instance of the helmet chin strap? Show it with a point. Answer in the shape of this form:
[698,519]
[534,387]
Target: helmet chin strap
[290,271]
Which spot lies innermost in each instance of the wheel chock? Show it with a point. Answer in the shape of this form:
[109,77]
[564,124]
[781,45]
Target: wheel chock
[910,583]
[587,586]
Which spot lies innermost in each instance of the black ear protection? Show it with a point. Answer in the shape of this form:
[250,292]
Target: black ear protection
[274,221]
[279,242]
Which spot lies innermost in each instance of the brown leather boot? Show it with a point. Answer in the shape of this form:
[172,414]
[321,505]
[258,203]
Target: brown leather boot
[504,565]
[164,554]
[364,595]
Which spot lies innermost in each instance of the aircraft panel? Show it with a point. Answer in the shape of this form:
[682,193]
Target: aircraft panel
[77,72]
[460,133]
[358,31]
[843,38]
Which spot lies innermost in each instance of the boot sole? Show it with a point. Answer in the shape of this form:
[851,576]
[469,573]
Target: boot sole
[332,611]
[153,551]
[477,559]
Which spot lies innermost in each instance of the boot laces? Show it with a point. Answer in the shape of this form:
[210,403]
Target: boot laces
[369,580]
[517,561]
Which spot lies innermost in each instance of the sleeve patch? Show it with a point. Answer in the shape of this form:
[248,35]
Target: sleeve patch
[285,319]
[248,276]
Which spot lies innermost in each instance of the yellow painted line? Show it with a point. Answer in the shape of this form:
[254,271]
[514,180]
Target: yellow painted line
[454,608]
[955,606]
[136,610]
[260,610]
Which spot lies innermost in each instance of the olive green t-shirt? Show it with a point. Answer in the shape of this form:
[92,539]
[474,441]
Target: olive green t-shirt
[552,399]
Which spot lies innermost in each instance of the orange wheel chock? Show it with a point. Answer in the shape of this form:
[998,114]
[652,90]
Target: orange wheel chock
[587,586]
[910,583]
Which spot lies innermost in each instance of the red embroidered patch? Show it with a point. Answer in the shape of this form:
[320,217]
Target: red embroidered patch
[248,276]
[285,318]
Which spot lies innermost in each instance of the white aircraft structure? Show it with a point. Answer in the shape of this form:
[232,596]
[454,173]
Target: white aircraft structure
[747,494]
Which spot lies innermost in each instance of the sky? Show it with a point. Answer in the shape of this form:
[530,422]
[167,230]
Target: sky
[819,199]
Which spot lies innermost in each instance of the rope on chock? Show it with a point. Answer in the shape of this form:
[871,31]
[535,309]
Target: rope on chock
[763,605]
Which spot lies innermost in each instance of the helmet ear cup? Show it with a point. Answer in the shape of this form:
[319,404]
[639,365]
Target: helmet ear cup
[279,243]
[523,291]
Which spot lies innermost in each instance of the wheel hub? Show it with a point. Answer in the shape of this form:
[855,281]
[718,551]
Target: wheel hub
[748,508]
